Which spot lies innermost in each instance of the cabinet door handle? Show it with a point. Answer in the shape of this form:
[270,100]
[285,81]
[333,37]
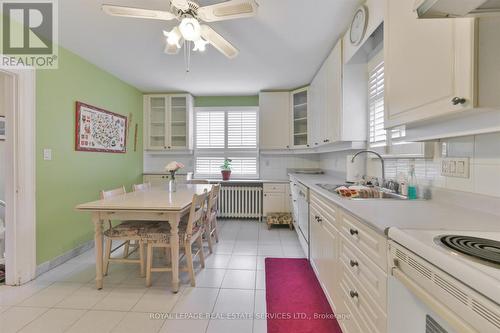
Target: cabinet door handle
[353,263]
[458,100]
[353,232]
[353,294]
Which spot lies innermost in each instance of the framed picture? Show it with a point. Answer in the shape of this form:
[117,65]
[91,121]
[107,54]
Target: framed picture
[2,128]
[99,130]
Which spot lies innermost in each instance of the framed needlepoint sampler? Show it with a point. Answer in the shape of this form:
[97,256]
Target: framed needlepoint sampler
[99,130]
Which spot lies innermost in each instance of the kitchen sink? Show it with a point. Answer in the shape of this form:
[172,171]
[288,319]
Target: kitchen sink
[366,193]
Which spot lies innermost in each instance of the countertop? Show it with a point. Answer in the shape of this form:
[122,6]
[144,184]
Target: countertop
[381,214]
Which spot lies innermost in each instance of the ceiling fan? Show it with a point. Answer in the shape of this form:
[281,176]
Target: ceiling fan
[189,14]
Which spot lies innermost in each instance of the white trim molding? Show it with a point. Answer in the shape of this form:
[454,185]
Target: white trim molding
[20,172]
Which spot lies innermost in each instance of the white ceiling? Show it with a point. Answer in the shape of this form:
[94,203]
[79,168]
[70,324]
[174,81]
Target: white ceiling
[281,48]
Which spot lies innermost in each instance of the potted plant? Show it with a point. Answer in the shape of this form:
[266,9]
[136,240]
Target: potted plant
[226,169]
[173,167]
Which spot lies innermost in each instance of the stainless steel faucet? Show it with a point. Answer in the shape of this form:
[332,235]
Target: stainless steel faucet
[378,155]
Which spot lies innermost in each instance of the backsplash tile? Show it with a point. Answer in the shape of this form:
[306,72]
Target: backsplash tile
[483,151]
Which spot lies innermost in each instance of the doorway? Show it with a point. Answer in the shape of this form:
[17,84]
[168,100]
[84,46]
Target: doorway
[17,175]
[3,163]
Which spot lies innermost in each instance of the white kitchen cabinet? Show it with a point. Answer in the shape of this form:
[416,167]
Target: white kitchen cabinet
[161,179]
[274,125]
[337,112]
[275,198]
[300,125]
[168,122]
[349,260]
[429,65]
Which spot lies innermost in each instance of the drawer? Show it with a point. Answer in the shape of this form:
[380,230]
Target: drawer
[360,306]
[327,212]
[366,240]
[369,275]
[274,187]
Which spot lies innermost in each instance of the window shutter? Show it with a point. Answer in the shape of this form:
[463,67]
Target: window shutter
[225,133]
[210,129]
[241,129]
[208,165]
[377,133]
[244,166]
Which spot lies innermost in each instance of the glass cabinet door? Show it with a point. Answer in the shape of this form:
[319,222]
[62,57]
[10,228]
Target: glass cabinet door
[300,118]
[157,121]
[178,122]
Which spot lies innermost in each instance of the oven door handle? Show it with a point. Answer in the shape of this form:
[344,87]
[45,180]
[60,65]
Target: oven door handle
[442,310]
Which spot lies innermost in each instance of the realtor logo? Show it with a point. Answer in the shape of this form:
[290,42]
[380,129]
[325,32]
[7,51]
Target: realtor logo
[29,33]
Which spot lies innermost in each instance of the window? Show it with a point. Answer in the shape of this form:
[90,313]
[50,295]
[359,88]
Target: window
[376,107]
[226,133]
[378,135]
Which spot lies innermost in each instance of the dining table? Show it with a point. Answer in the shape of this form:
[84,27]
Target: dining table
[155,204]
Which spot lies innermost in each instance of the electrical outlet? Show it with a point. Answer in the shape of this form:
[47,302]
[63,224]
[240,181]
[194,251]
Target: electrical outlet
[47,154]
[455,167]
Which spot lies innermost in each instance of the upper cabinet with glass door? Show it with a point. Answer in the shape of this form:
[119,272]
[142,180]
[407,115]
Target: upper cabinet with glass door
[300,123]
[168,122]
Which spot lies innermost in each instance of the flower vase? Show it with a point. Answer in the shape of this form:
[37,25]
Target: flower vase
[172,183]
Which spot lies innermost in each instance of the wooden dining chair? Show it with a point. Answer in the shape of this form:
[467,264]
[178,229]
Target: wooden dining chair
[126,232]
[190,233]
[141,187]
[211,228]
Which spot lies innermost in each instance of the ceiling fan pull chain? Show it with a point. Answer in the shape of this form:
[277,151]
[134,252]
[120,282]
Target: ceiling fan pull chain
[187,55]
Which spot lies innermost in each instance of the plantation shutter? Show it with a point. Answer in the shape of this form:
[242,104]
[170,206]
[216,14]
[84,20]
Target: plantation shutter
[210,129]
[377,134]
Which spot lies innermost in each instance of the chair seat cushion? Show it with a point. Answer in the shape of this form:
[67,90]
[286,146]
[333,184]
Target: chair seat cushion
[162,232]
[131,229]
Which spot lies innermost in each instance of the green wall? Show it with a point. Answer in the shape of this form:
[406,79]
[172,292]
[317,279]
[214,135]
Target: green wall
[211,101]
[74,177]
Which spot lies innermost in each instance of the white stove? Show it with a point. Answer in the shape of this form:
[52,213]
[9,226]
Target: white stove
[461,288]
[480,275]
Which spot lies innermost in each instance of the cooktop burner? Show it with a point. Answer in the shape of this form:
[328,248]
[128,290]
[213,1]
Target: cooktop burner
[481,248]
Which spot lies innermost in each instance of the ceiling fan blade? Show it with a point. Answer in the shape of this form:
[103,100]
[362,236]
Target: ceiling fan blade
[138,12]
[228,10]
[217,41]
[180,4]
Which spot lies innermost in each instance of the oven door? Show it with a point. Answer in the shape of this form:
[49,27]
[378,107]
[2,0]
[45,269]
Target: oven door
[408,313]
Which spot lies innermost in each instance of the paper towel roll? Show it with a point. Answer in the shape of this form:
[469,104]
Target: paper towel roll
[354,170]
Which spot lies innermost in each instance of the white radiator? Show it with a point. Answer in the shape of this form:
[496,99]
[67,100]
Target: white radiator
[240,202]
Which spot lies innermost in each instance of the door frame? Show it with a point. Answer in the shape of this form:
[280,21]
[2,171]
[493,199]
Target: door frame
[20,176]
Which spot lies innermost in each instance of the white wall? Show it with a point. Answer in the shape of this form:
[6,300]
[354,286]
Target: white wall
[271,166]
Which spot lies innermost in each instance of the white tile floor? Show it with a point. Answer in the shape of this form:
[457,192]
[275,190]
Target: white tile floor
[232,284]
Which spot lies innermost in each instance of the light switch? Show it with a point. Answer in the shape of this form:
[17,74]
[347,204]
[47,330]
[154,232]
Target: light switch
[455,167]
[47,154]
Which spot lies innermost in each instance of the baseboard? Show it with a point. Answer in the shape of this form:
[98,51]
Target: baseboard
[48,265]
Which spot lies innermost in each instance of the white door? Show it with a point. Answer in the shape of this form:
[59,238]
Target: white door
[156,122]
[273,203]
[429,64]
[274,118]
[333,95]
[178,122]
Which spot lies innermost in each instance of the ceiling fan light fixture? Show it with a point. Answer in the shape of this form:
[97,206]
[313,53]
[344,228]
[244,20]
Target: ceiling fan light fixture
[190,28]
[200,45]
[173,37]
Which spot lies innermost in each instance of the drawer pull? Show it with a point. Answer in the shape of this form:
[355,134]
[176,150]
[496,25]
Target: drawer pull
[353,294]
[354,263]
[353,232]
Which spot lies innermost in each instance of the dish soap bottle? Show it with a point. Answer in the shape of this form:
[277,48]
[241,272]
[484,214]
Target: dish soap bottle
[412,184]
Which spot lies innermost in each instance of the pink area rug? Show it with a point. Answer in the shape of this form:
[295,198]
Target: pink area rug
[295,301]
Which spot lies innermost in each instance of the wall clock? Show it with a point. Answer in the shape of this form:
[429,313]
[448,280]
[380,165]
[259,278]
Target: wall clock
[358,25]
